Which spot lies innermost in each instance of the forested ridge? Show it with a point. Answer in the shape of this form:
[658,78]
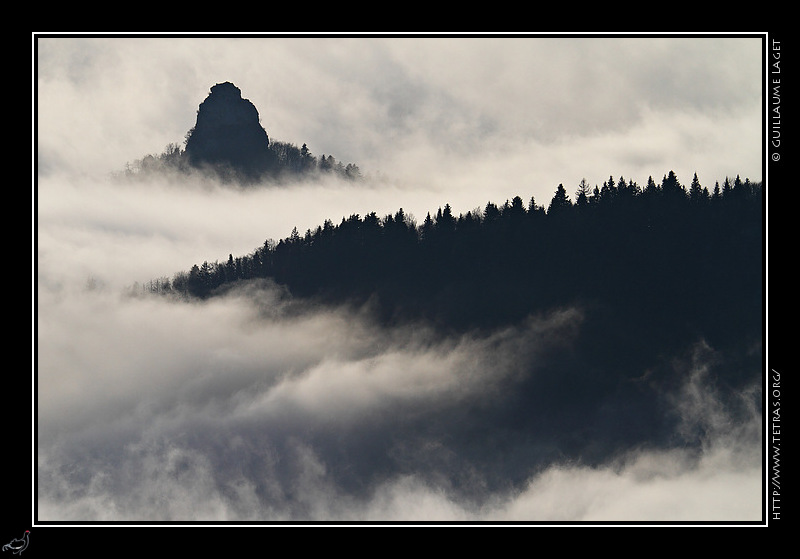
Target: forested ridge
[285,161]
[665,279]
[677,260]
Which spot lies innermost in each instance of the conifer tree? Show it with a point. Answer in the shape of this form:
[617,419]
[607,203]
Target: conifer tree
[651,190]
[717,194]
[582,194]
[560,201]
[695,190]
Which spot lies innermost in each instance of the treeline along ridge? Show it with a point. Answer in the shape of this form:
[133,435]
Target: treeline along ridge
[657,273]
[666,256]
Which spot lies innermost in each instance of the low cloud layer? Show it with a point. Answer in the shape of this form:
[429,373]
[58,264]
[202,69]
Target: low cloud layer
[153,410]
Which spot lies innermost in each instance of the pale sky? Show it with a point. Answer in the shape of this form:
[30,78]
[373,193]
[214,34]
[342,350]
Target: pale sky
[463,121]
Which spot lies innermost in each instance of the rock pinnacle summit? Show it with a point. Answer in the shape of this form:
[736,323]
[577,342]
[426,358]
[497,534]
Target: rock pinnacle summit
[228,135]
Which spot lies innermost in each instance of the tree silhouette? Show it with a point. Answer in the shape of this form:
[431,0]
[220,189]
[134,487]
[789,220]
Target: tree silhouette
[697,193]
[582,194]
[560,201]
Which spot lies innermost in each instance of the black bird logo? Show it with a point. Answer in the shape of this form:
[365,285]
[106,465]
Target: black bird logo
[17,546]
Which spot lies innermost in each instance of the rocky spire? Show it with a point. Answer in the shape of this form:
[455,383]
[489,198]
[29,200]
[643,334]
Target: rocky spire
[228,135]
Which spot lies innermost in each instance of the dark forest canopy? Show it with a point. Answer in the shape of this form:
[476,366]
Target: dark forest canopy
[653,272]
[676,259]
[287,161]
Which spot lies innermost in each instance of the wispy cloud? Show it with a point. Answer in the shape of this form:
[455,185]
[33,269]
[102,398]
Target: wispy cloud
[230,411]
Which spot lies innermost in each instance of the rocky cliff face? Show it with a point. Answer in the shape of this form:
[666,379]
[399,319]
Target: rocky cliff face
[228,135]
